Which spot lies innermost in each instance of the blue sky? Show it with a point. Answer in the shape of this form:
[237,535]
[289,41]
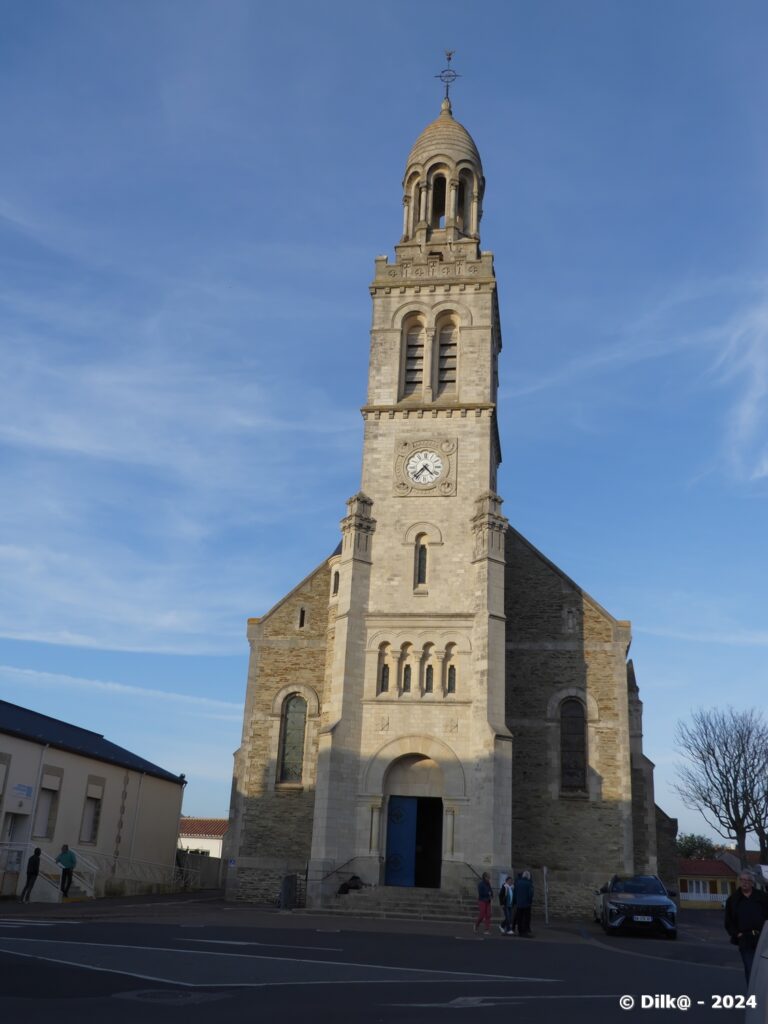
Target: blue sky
[191,198]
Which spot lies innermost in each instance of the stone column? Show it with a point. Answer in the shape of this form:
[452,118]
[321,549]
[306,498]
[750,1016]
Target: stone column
[429,362]
[423,204]
[453,191]
[474,223]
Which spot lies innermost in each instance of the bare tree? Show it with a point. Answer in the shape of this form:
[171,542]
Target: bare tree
[724,777]
[758,820]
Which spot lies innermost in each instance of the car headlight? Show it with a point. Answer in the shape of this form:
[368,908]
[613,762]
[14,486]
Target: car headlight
[616,908]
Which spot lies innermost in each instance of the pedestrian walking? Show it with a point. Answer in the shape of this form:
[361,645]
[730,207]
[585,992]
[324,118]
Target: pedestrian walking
[746,911]
[33,870]
[523,899]
[506,896]
[67,861]
[484,897]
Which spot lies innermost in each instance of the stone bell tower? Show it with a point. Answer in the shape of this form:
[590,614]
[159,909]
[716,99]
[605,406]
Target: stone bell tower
[414,761]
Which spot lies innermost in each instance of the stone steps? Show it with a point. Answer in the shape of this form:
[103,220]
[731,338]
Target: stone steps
[405,904]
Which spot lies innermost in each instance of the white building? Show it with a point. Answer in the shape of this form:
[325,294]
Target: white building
[63,784]
[202,835]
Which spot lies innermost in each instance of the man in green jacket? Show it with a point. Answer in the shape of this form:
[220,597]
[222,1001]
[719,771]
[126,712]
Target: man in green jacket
[67,860]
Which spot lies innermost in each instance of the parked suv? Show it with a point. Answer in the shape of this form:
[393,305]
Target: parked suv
[639,902]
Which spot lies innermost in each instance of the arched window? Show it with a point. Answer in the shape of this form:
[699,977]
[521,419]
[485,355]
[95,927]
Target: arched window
[447,358]
[414,359]
[429,680]
[463,202]
[384,679]
[573,745]
[292,729]
[420,561]
[438,202]
[335,583]
[450,686]
[407,679]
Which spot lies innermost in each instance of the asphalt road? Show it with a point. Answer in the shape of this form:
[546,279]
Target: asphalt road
[201,961]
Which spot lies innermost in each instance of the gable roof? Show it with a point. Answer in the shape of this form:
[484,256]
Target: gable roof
[203,828]
[706,867]
[30,725]
[514,534]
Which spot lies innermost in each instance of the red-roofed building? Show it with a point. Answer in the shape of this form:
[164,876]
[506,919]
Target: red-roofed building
[705,884]
[202,835]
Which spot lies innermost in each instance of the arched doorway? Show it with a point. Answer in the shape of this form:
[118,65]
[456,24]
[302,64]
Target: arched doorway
[413,787]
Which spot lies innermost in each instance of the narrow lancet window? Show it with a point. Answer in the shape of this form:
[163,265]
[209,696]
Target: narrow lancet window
[302,618]
[335,584]
[384,679]
[407,679]
[451,681]
[421,562]
[573,746]
[429,679]
[293,725]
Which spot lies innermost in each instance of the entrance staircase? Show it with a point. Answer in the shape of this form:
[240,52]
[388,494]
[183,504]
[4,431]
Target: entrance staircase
[406,903]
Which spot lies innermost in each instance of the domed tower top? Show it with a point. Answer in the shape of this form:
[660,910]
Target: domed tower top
[443,184]
[446,137]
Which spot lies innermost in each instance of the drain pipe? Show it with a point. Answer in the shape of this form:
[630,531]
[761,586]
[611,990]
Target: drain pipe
[135,817]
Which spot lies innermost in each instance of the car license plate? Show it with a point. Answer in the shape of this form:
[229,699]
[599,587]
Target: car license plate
[641,917]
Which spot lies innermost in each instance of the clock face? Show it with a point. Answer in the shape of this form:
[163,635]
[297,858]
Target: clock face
[424,467]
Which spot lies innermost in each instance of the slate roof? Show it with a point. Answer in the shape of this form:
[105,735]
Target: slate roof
[705,868]
[30,725]
[203,828]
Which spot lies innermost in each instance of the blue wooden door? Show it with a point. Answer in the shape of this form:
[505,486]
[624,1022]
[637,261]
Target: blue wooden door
[401,841]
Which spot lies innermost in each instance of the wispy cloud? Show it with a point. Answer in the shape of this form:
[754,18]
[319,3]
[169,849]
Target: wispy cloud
[206,707]
[724,322]
[734,638]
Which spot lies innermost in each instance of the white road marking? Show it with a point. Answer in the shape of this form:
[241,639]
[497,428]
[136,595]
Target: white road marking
[471,1002]
[269,945]
[440,976]
[30,922]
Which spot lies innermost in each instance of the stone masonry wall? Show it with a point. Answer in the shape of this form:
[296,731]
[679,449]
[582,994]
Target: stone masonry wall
[562,644]
[276,826]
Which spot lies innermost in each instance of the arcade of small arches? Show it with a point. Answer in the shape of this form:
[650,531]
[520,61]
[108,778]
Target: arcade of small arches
[420,672]
[440,197]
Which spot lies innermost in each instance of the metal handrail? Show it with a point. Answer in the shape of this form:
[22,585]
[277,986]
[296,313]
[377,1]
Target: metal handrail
[334,871]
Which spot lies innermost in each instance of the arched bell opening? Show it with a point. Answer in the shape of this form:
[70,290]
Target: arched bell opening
[413,790]
[439,200]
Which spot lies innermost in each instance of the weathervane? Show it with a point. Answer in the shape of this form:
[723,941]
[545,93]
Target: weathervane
[448,76]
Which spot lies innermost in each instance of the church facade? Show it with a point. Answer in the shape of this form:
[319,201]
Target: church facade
[436,698]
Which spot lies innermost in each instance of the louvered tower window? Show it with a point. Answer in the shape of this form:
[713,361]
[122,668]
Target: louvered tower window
[414,360]
[447,357]
[291,761]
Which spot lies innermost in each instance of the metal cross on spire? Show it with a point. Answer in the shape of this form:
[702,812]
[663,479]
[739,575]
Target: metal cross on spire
[448,76]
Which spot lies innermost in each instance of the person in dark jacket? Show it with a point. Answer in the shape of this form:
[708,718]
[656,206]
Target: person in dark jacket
[746,911]
[523,903]
[33,870]
[484,897]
